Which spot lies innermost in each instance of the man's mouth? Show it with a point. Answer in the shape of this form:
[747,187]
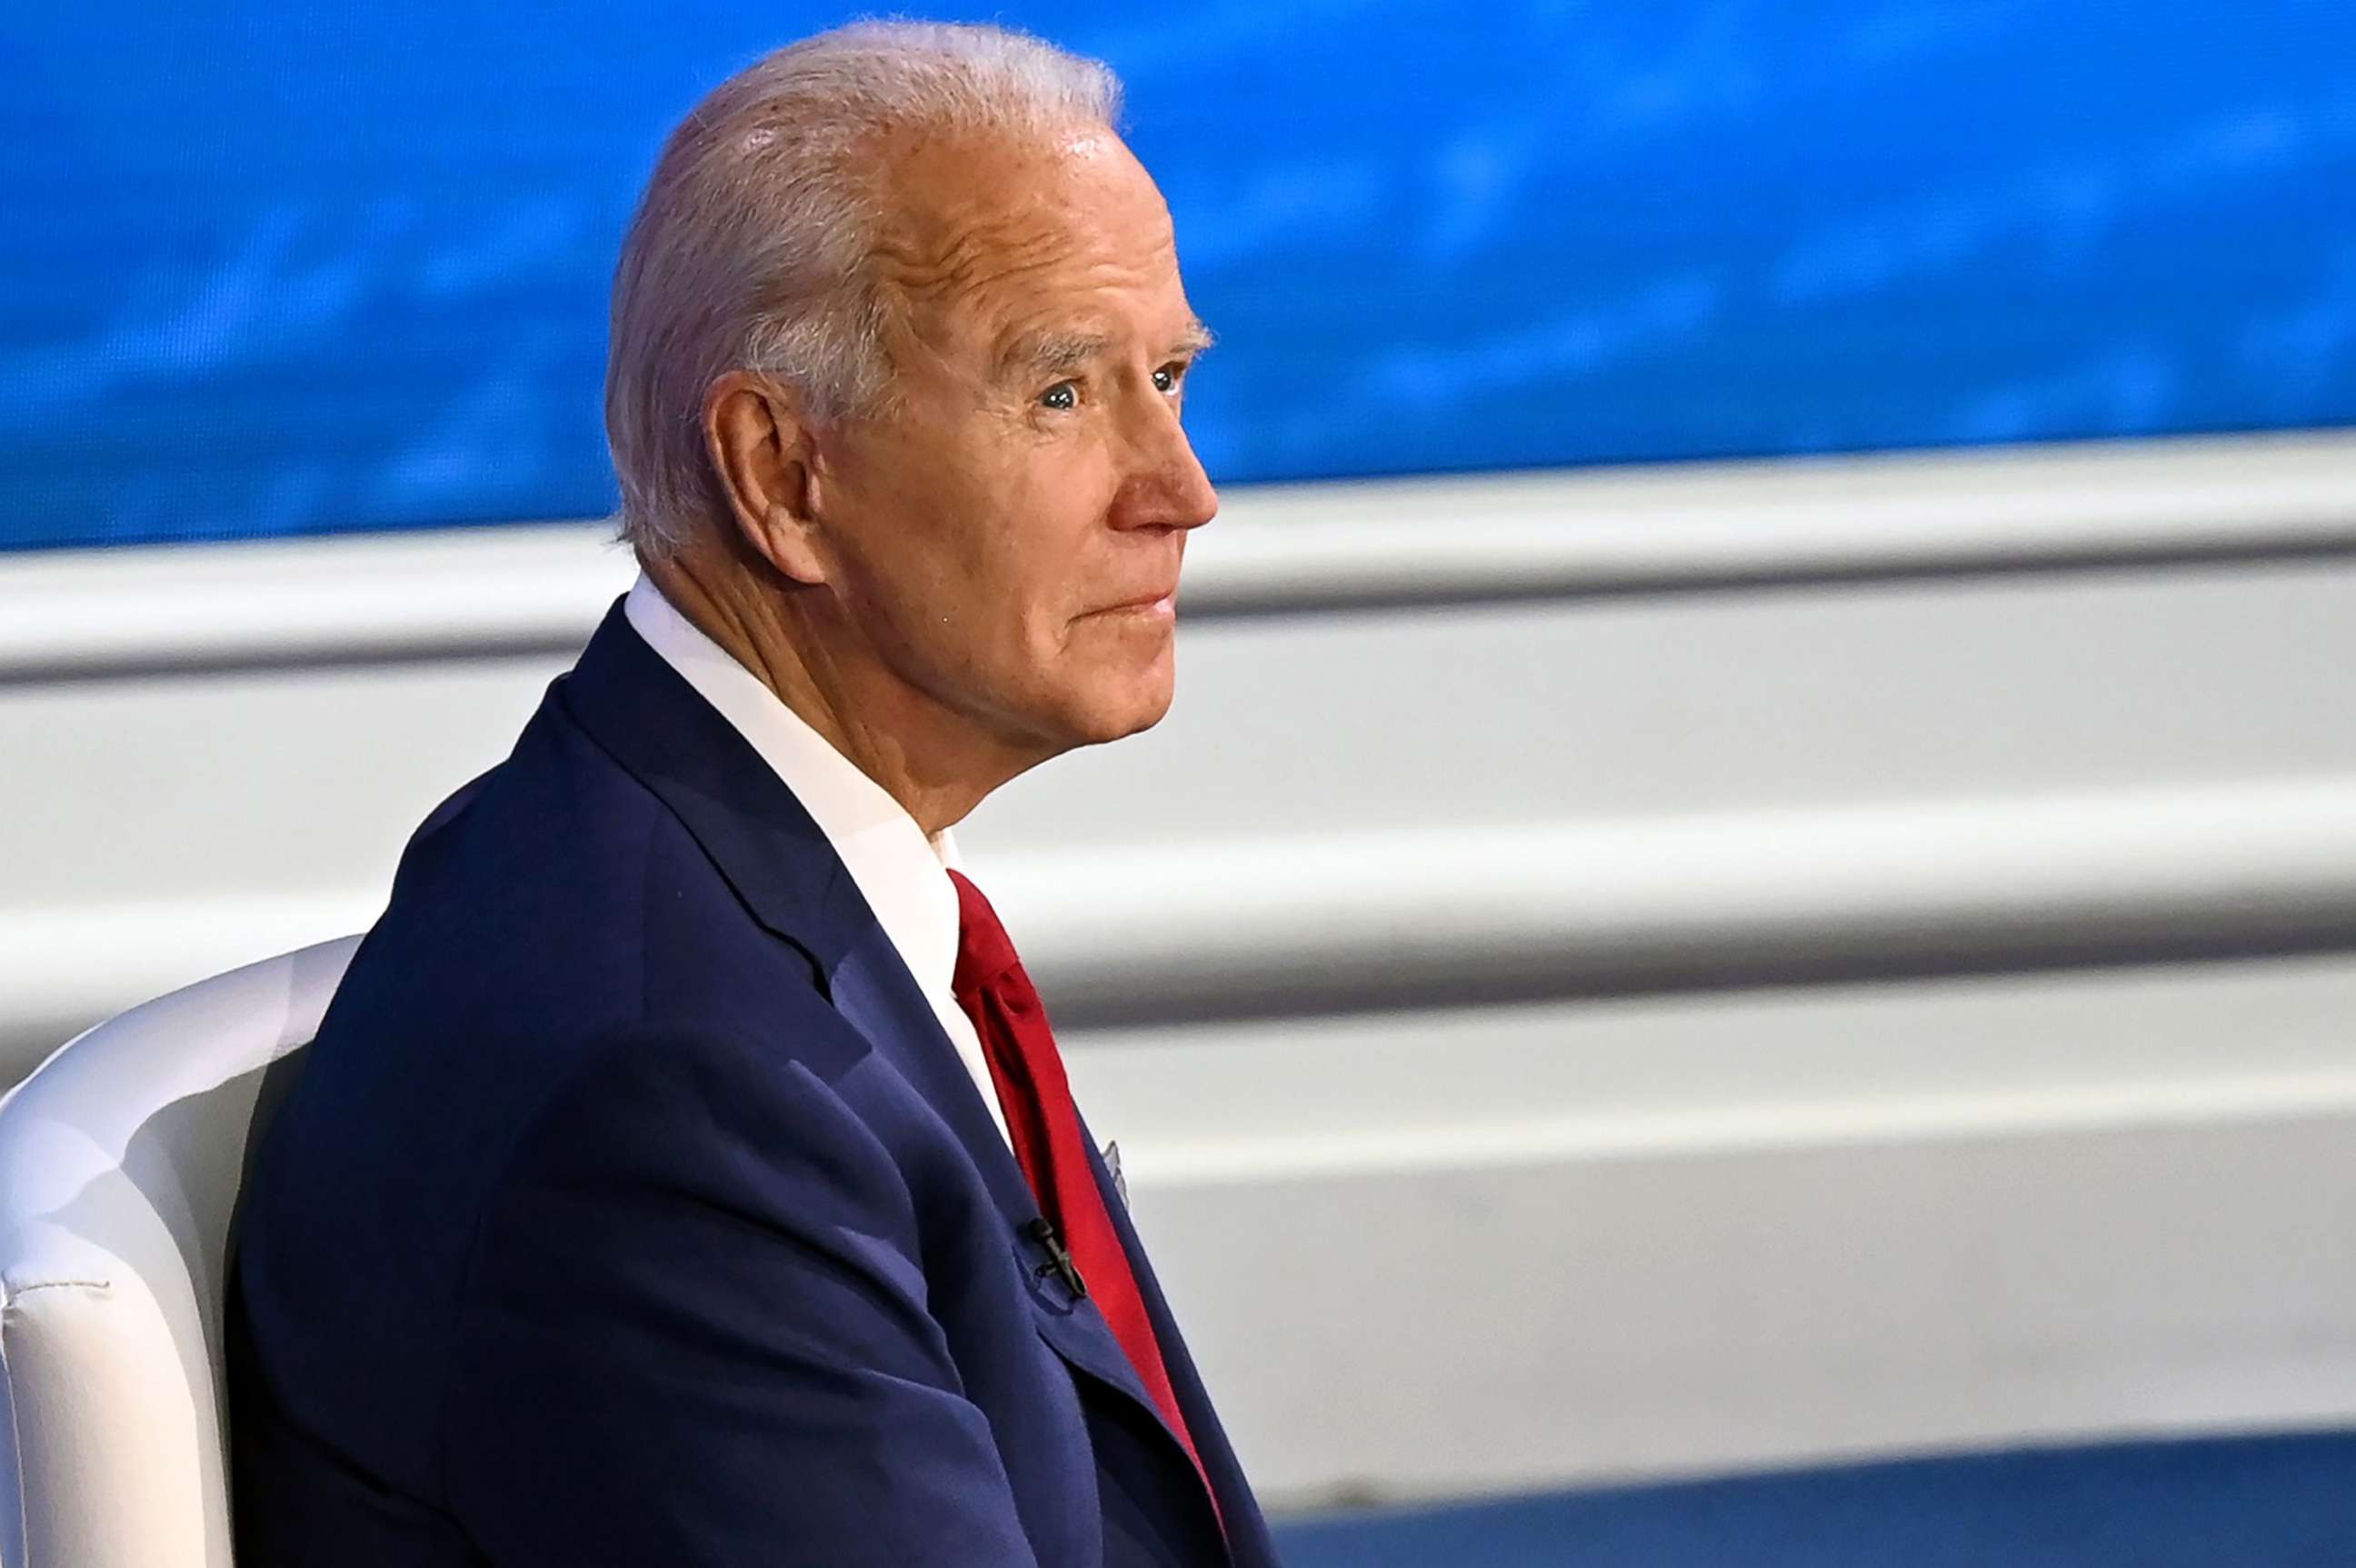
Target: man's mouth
[1154,602]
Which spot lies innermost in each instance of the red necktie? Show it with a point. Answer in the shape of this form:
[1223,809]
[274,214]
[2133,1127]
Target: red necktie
[1044,1128]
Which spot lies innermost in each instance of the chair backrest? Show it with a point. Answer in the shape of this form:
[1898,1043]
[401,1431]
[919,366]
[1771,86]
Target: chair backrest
[120,1162]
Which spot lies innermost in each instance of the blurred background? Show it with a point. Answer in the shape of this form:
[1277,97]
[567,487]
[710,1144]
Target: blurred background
[1741,947]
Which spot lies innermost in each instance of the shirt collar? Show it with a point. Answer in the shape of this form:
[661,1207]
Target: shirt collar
[899,870]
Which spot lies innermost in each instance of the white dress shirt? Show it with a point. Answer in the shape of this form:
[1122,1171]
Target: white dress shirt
[902,874]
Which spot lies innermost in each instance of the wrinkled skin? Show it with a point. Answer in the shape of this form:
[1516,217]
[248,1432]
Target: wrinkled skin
[982,575]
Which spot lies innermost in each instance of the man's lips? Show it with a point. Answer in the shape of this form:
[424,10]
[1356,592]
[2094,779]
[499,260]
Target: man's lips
[1158,601]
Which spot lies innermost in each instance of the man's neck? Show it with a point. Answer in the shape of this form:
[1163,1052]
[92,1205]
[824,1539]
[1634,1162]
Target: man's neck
[924,758]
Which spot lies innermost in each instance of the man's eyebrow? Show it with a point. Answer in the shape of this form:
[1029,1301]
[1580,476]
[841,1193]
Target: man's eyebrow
[1050,354]
[1196,338]
[1055,352]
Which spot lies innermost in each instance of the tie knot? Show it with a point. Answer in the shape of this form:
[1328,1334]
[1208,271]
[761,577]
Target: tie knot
[985,952]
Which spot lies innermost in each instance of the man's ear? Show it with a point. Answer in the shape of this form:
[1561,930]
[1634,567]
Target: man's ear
[762,445]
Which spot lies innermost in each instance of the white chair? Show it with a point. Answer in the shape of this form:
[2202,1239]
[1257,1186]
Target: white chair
[119,1161]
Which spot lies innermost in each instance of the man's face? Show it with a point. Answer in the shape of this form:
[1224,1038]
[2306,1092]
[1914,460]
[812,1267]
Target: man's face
[1008,538]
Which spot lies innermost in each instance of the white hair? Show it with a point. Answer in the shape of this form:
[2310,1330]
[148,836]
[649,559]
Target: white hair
[750,247]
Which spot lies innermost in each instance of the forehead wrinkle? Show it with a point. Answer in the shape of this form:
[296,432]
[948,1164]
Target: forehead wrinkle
[999,246]
[968,264]
[936,246]
[1018,292]
[968,260]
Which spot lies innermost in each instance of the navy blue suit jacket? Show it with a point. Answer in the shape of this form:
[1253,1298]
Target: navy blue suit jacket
[632,1208]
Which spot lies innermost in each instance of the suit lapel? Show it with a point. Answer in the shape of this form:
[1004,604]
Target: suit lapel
[658,728]
[872,988]
[1248,1543]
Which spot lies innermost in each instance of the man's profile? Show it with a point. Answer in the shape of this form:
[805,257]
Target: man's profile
[685,1173]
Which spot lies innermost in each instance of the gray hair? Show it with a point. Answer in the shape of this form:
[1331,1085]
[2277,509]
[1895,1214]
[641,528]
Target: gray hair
[750,248]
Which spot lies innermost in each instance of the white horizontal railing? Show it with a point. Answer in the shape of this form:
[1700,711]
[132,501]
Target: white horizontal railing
[1277,550]
[1704,526]
[354,600]
[1310,926]
[1433,917]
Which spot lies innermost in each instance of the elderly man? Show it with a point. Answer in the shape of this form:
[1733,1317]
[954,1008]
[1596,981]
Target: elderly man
[685,1173]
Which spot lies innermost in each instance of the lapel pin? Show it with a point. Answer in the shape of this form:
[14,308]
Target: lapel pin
[1112,1169]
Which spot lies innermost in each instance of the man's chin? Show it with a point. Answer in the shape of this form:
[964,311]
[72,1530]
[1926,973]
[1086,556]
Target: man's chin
[1117,714]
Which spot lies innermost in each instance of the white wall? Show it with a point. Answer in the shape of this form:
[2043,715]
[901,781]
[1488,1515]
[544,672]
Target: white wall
[1600,974]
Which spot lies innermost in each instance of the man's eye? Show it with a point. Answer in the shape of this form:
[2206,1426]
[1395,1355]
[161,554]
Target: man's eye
[1063,397]
[1167,378]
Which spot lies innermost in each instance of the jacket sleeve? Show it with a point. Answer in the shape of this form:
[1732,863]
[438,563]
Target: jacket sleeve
[694,1334]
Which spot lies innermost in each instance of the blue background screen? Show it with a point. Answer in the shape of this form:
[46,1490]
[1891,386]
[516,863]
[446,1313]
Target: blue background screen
[272,269]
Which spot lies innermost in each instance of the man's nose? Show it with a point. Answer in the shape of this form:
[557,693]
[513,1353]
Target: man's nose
[1165,486]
